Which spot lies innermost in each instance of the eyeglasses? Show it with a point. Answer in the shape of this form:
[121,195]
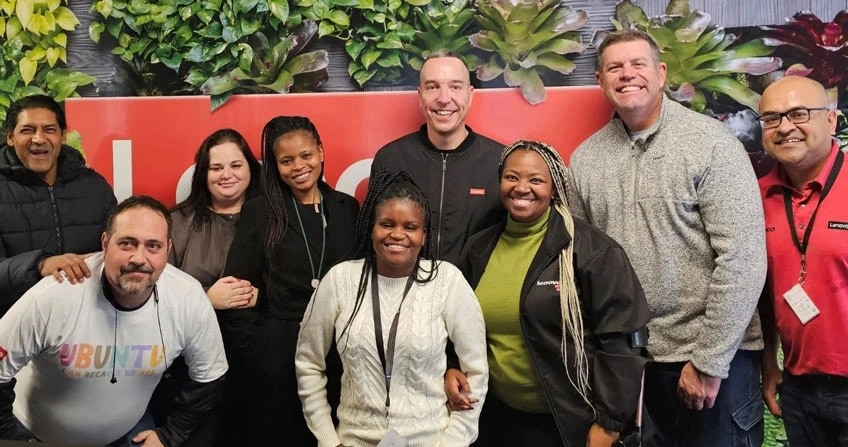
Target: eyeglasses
[795,116]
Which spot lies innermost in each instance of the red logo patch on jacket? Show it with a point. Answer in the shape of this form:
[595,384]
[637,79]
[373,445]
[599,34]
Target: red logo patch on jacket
[3,354]
[477,191]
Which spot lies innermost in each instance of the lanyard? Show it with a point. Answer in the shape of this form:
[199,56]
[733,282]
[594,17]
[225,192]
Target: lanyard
[387,354]
[316,276]
[790,215]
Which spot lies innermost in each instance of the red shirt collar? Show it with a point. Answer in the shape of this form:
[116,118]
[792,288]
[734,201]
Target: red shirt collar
[776,179]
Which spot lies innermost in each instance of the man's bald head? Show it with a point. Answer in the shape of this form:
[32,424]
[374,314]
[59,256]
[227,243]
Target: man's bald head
[810,89]
[797,126]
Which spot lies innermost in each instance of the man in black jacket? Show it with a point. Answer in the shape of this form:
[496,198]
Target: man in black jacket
[52,207]
[455,167]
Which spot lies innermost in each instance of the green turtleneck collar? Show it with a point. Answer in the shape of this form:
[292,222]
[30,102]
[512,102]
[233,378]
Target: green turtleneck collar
[521,229]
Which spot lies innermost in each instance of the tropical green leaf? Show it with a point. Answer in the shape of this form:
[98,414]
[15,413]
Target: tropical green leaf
[308,62]
[24,12]
[95,30]
[27,68]
[730,87]
[362,76]
[369,56]
[490,70]
[390,59]
[283,82]
[52,56]
[280,9]
[556,62]
[217,101]
[354,48]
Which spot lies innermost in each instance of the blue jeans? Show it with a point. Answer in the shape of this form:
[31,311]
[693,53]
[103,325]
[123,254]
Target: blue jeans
[146,423]
[736,419]
[815,410]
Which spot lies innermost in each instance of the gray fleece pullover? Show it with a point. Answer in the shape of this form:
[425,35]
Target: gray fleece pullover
[683,201]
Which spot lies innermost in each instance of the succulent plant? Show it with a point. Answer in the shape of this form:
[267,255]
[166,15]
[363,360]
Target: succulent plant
[702,58]
[822,48]
[442,24]
[272,66]
[525,36]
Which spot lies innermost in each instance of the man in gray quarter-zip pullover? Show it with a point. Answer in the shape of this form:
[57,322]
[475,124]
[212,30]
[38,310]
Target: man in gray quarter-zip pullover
[456,168]
[677,191]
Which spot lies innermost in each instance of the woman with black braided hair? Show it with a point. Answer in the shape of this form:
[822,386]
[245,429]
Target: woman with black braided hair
[391,312]
[562,305]
[284,243]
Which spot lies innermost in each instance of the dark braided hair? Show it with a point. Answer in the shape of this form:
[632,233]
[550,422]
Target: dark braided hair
[200,199]
[383,187]
[276,190]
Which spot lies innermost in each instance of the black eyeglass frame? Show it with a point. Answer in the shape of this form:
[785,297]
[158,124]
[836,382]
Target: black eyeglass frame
[809,111]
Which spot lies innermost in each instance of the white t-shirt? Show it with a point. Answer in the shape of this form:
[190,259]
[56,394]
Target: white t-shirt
[68,334]
[433,312]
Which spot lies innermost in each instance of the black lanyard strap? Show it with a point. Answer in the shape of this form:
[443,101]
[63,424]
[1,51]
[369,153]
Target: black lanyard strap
[387,354]
[790,215]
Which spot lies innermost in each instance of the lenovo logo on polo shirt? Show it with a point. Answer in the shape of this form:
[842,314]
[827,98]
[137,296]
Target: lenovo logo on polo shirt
[833,225]
[477,191]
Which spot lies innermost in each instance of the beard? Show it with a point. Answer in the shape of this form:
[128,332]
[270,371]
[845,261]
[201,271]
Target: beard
[134,286]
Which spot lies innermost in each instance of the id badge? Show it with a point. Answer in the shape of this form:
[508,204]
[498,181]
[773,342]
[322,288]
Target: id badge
[801,304]
[392,439]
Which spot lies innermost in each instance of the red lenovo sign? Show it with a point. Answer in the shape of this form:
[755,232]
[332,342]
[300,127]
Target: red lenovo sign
[146,145]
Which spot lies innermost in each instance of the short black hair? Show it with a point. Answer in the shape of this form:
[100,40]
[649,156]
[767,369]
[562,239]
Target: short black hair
[34,102]
[139,202]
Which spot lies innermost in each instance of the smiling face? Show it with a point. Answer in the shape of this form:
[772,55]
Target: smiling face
[803,147]
[135,254]
[397,236]
[299,159]
[632,82]
[37,139]
[228,176]
[445,94]
[526,186]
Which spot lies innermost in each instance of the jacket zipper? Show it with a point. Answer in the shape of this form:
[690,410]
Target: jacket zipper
[441,206]
[59,243]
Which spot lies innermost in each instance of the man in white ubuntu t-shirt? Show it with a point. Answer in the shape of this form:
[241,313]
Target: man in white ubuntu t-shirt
[87,356]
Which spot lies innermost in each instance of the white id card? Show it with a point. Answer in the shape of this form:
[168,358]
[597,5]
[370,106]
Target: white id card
[801,303]
[392,439]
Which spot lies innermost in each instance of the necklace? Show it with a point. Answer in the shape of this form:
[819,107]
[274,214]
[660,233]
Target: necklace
[312,268]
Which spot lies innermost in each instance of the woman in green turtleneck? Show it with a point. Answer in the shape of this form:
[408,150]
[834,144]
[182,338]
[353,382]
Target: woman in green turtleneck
[561,303]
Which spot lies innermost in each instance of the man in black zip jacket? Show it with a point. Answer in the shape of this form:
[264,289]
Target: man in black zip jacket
[455,167]
[52,207]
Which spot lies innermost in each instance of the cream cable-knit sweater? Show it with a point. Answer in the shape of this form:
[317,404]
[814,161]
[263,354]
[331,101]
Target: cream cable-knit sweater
[444,308]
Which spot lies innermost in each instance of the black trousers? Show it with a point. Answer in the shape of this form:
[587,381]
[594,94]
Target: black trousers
[502,425]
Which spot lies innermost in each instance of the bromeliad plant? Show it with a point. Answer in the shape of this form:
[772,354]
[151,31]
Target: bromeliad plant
[703,60]
[34,51]
[442,24]
[821,47]
[526,37]
[272,66]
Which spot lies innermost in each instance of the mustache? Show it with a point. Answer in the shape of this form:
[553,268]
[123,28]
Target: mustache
[133,267]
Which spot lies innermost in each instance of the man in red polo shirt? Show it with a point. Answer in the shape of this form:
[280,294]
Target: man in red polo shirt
[806,292]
